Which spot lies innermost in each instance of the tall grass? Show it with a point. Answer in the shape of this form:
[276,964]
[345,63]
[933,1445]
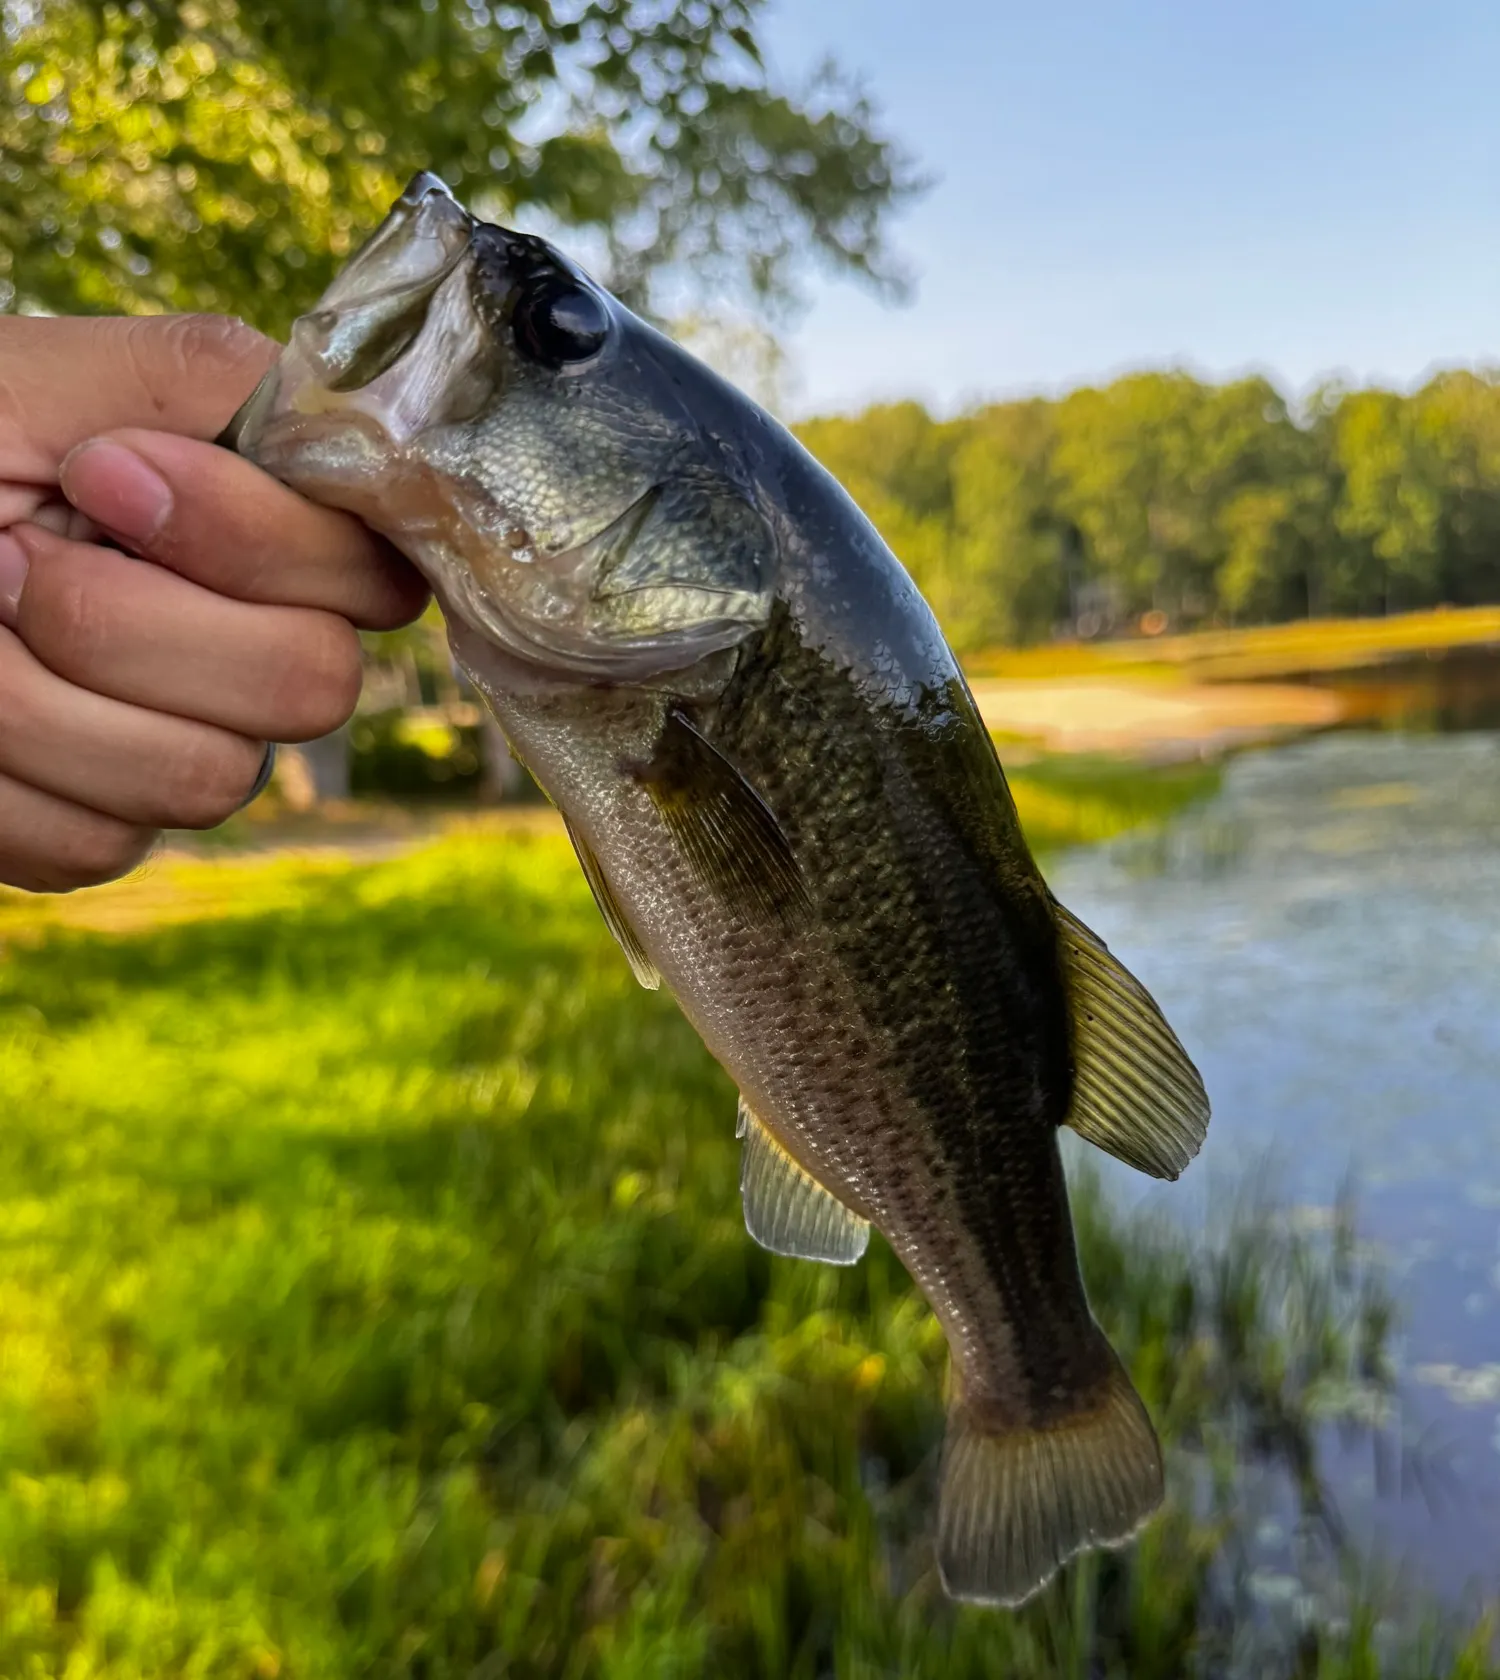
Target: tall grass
[375,1300]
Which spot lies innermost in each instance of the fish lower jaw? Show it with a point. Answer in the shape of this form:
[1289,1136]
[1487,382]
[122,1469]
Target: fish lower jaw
[325,447]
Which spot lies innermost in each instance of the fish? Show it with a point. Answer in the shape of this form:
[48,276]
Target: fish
[789,812]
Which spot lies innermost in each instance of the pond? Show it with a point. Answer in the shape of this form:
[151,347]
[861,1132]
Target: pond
[1325,936]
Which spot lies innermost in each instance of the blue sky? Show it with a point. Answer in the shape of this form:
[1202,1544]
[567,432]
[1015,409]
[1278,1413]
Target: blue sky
[1301,188]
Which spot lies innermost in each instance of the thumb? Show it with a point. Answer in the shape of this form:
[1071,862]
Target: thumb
[64,379]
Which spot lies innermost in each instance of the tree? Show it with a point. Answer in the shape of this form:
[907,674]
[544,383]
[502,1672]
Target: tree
[1211,502]
[228,154]
[1391,505]
[1269,498]
[1456,417]
[1009,538]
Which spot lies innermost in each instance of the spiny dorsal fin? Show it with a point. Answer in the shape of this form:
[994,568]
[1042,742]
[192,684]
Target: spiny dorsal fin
[786,1209]
[728,834]
[1135,1093]
[614,917]
[1017,1503]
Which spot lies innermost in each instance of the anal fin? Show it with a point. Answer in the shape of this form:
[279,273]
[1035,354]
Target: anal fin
[786,1209]
[614,917]
[1135,1092]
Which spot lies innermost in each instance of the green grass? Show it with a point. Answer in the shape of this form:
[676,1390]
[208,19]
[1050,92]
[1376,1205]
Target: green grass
[375,1301]
[1071,799]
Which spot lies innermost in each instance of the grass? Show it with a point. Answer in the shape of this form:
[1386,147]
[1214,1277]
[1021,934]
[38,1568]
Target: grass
[374,1301]
[1071,799]
[1304,647]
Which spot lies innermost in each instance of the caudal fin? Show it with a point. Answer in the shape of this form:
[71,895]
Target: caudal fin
[1016,1505]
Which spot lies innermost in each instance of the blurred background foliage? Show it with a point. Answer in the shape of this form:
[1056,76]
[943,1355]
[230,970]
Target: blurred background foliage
[228,154]
[1202,504]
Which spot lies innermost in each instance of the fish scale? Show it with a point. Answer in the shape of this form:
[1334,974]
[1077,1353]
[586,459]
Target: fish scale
[788,811]
[955,1064]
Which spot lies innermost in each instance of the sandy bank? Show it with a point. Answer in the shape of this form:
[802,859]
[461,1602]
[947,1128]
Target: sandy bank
[1150,719]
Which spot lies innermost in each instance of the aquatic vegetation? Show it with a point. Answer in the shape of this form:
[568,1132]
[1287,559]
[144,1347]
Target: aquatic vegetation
[374,1299]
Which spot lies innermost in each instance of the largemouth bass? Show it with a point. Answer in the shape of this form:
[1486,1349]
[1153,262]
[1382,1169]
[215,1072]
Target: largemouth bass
[788,810]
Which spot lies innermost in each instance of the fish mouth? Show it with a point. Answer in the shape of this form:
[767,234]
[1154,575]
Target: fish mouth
[376,308]
[387,344]
[401,340]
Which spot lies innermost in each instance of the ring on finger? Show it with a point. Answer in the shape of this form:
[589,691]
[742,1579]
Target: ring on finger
[263,780]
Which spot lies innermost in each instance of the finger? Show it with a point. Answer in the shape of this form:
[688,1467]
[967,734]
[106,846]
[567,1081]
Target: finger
[222,522]
[51,515]
[139,766]
[49,845]
[38,505]
[131,631]
[64,379]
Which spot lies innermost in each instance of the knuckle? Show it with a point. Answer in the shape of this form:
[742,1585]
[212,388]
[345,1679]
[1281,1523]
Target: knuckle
[165,350]
[399,597]
[223,341]
[66,621]
[94,849]
[211,782]
[321,687]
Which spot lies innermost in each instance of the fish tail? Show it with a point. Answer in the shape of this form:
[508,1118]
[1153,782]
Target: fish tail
[1018,1502]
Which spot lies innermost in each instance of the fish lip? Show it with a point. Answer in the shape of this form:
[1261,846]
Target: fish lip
[427,236]
[423,185]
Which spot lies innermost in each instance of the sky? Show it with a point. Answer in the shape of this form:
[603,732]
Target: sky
[1303,188]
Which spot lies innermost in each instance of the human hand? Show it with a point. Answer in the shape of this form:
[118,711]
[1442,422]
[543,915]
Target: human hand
[138,690]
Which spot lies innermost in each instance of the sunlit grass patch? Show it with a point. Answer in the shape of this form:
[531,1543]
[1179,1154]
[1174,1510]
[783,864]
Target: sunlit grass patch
[1078,799]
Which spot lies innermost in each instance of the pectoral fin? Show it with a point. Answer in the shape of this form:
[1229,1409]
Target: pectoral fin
[614,917]
[727,833]
[1135,1093]
[786,1209]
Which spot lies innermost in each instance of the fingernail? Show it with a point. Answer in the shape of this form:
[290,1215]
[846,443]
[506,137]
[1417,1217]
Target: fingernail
[116,488]
[13,568]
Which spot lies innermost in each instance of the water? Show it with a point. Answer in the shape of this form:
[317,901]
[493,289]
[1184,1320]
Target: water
[1325,937]
[1456,688]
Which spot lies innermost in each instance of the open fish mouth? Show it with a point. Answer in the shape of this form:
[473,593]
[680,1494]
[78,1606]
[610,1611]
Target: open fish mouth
[377,307]
[388,341]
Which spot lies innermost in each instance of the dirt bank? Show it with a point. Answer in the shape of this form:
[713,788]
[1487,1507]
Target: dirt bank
[1155,720]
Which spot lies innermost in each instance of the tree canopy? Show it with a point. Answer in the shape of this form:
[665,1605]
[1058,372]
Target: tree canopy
[228,154]
[1205,503]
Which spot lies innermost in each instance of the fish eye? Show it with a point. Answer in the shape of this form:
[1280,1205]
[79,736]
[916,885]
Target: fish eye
[559,322]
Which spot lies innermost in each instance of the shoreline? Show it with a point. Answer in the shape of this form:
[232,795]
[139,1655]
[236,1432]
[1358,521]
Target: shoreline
[1155,721]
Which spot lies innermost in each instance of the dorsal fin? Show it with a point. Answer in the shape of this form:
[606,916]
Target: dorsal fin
[786,1209]
[1135,1092]
[614,917]
[727,833]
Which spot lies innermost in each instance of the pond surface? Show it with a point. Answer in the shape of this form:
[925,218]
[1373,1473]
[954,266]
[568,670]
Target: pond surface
[1455,688]
[1325,937]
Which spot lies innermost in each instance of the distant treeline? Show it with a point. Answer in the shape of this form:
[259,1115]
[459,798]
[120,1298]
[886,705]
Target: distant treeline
[1207,504]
